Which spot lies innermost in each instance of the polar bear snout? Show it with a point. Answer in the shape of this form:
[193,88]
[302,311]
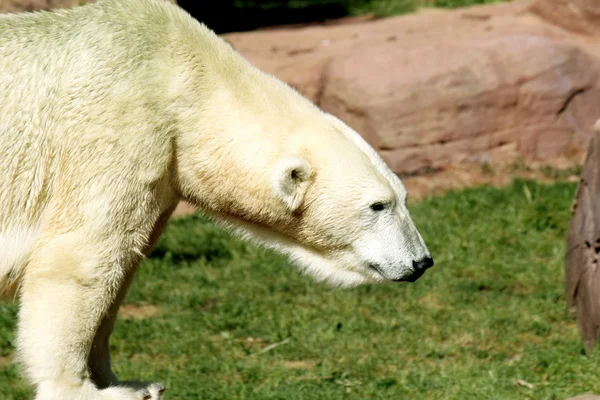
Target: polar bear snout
[419,268]
[406,274]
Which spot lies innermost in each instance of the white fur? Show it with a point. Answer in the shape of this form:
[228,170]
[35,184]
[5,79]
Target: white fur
[15,245]
[115,111]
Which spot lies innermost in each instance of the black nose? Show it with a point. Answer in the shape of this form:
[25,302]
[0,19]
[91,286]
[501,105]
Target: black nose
[419,268]
[423,264]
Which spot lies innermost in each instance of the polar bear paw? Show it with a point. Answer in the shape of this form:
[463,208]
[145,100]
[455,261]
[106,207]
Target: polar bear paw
[156,391]
[122,391]
[134,391]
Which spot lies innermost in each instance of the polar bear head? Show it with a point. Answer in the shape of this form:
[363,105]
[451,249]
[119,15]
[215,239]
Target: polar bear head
[267,163]
[352,225]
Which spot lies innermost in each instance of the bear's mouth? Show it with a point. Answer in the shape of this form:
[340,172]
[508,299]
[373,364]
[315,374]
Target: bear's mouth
[376,268]
[411,278]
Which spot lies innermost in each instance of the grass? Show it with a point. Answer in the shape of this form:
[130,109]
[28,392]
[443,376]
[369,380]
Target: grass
[386,8]
[232,321]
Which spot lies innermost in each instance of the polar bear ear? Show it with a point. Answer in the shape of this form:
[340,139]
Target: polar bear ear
[290,181]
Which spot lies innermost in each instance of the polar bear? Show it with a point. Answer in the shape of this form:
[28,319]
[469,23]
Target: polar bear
[113,112]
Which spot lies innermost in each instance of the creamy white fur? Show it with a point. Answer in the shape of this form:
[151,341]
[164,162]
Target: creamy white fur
[15,244]
[113,112]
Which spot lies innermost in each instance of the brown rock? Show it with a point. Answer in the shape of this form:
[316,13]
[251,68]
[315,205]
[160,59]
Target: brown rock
[581,16]
[482,84]
[183,208]
[583,249]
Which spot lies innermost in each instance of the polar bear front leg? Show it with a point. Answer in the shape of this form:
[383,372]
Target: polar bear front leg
[67,289]
[99,359]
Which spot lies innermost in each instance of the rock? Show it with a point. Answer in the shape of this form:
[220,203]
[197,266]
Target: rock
[583,249]
[183,208]
[486,84]
[580,16]
[465,102]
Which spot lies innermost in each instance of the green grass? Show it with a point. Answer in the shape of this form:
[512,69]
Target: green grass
[490,312]
[381,7]
[386,8]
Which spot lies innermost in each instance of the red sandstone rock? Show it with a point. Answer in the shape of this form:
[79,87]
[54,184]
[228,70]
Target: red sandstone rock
[581,16]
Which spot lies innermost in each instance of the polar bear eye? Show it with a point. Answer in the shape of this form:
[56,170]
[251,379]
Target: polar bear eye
[378,206]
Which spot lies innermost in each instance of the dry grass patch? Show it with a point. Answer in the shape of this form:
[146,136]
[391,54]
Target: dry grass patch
[138,311]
